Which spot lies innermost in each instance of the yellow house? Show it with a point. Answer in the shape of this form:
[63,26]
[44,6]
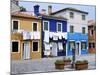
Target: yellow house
[25,36]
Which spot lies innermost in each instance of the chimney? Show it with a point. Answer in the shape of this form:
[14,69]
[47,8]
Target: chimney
[49,9]
[43,11]
[36,10]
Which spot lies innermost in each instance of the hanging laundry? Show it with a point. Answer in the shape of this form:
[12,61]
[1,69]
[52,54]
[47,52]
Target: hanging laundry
[36,35]
[26,35]
[46,36]
[50,34]
[60,46]
[47,49]
[55,36]
[47,46]
[60,35]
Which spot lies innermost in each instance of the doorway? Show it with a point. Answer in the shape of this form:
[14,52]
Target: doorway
[26,50]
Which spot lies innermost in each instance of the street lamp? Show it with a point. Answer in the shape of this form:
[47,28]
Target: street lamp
[73,58]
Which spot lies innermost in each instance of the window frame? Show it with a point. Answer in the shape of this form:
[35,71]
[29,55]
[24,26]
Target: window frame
[43,25]
[33,26]
[70,28]
[18,46]
[38,46]
[69,44]
[83,18]
[83,30]
[71,14]
[57,26]
[85,45]
[18,24]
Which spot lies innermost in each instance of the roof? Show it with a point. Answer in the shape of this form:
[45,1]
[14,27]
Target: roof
[31,15]
[23,15]
[53,17]
[72,9]
[91,23]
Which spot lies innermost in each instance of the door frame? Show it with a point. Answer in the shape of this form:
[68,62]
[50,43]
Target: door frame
[79,47]
[23,50]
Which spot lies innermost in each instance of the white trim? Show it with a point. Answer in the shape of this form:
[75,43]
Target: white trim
[43,25]
[18,45]
[32,46]
[57,26]
[18,23]
[37,25]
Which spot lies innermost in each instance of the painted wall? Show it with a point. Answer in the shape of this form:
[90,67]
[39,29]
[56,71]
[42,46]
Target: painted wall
[25,24]
[53,24]
[77,37]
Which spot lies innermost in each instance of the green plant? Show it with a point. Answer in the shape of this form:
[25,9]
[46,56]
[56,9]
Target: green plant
[67,59]
[81,62]
[85,61]
[59,62]
[22,8]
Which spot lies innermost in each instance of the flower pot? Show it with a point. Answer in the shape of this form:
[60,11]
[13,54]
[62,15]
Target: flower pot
[81,66]
[59,66]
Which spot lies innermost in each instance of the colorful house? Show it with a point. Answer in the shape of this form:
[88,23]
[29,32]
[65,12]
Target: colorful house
[77,29]
[92,36]
[25,36]
[54,32]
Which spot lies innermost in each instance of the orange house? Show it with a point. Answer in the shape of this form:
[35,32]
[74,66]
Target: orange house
[92,36]
[25,36]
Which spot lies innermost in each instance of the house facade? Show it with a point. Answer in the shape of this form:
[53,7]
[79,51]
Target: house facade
[25,36]
[54,32]
[77,30]
[92,36]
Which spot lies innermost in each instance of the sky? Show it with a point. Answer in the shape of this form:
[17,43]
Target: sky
[55,6]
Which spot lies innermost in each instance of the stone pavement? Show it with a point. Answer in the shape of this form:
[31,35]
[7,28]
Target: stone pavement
[45,64]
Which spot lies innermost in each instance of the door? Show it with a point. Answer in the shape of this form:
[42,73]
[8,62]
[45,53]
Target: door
[77,49]
[54,49]
[26,50]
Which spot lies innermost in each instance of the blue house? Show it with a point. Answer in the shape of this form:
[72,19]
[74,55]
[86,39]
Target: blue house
[54,31]
[77,29]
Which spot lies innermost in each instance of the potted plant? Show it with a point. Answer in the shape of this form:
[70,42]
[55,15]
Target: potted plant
[59,64]
[67,61]
[81,65]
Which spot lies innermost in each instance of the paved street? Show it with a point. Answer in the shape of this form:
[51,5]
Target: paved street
[45,64]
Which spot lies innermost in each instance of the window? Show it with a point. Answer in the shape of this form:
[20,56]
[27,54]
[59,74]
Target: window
[35,46]
[83,45]
[91,45]
[15,25]
[71,29]
[83,30]
[46,25]
[35,28]
[71,15]
[15,46]
[59,26]
[71,45]
[83,17]
[91,32]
